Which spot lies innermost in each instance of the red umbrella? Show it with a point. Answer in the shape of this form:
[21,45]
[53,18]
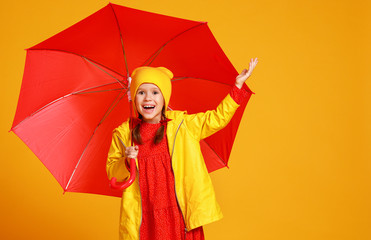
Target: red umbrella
[75,83]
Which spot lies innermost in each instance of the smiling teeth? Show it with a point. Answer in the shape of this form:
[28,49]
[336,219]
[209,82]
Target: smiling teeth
[148,106]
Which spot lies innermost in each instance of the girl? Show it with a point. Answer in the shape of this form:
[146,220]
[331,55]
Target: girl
[172,197]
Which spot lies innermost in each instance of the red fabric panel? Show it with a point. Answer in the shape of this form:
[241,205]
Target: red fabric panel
[197,95]
[96,37]
[222,141]
[58,131]
[50,75]
[91,176]
[59,134]
[144,33]
[196,54]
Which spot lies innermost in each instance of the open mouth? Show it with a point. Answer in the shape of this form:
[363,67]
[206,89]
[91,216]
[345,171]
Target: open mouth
[148,107]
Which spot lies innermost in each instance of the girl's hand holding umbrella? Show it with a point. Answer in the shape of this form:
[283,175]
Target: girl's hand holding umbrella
[245,74]
[132,154]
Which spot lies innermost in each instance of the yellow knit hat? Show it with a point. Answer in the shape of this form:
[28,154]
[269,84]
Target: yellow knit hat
[159,76]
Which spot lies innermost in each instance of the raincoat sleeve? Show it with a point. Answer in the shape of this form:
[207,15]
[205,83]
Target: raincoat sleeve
[116,160]
[202,125]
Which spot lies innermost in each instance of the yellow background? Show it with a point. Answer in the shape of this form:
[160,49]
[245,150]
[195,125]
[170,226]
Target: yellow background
[300,168]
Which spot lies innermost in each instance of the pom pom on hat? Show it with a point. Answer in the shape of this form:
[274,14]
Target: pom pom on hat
[159,76]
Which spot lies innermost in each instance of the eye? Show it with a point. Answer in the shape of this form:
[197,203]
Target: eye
[155,92]
[140,92]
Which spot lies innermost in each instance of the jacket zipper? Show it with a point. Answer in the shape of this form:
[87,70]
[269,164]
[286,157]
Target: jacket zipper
[176,196]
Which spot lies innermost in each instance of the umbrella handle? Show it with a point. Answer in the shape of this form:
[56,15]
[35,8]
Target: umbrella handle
[123,185]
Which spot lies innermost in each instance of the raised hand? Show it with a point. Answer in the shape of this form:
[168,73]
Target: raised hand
[245,74]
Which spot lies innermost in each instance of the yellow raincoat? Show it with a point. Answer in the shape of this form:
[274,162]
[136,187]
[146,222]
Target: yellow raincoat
[193,186]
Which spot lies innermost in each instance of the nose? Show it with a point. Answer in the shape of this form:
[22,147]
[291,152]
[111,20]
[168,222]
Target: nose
[147,97]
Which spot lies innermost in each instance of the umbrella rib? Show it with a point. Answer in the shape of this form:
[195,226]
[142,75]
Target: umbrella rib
[86,89]
[118,80]
[59,50]
[99,91]
[153,56]
[182,78]
[43,107]
[109,110]
[122,42]
[67,95]
[220,159]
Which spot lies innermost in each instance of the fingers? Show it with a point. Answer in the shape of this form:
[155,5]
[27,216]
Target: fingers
[245,74]
[253,63]
[250,67]
[132,152]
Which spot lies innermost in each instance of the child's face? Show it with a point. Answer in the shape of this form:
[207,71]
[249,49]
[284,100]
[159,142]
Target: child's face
[149,102]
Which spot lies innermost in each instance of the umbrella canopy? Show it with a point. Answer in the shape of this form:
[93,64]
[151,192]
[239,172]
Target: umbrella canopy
[74,89]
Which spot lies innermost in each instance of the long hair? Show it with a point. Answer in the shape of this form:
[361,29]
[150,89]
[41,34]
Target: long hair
[159,134]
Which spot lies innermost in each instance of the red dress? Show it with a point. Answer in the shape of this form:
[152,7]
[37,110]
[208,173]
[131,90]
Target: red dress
[162,218]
